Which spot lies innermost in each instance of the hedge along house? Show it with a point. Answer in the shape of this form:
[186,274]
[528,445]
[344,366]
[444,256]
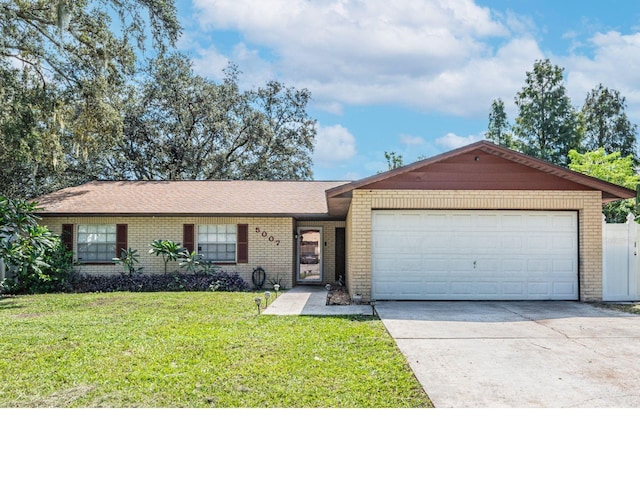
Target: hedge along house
[481,222]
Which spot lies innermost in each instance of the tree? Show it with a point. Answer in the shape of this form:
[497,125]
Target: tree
[29,147]
[547,124]
[613,168]
[499,130]
[180,126]
[72,40]
[393,160]
[606,125]
[34,256]
[63,64]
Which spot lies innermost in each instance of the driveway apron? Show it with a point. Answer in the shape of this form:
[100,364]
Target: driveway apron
[519,354]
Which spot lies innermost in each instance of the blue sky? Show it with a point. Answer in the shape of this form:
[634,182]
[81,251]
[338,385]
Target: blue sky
[416,77]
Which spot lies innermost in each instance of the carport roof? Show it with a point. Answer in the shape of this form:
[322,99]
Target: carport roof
[610,191]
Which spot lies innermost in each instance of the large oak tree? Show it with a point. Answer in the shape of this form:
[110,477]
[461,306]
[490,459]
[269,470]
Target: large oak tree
[181,126]
[63,64]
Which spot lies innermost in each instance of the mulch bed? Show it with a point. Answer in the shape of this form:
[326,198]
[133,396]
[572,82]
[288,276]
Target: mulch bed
[338,295]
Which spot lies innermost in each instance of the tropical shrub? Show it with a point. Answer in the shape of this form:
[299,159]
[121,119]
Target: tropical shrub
[35,258]
[128,259]
[169,250]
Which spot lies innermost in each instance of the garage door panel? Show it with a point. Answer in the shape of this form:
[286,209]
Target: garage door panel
[461,242]
[513,288]
[411,265]
[487,221]
[439,241]
[474,255]
[462,223]
[487,288]
[539,243]
[564,288]
[408,221]
[485,242]
[511,244]
[435,266]
[564,266]
[538,288]
[462,288]
[489,265]
[562,243]
[538,265]
[563,222]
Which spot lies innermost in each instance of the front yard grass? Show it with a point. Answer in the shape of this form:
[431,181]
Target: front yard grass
[192,350]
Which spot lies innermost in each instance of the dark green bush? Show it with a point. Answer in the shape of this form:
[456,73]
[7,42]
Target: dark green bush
[54,274]
[170,282]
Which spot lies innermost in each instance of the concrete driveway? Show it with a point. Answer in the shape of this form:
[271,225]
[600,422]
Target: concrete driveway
[519,354]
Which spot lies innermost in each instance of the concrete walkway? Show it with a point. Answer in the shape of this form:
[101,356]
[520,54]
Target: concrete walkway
[519,354]
[311,300]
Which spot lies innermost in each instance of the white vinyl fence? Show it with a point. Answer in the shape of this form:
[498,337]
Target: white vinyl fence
[620,270]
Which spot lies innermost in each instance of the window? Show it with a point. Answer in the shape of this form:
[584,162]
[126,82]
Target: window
[217,243]
[96,243]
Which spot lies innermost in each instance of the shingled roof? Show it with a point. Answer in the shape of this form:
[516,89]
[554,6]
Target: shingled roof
[255,198]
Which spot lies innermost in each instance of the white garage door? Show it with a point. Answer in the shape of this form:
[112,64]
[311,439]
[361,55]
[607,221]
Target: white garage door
[474,255]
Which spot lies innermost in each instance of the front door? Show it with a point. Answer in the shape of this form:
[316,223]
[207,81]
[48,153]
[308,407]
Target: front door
[340,253]
[309,255]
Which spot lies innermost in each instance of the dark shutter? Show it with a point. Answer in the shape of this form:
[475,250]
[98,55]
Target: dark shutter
[121,238]
[67,236]
[188,233]
[243,243]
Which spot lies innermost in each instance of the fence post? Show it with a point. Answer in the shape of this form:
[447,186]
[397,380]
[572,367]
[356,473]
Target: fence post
[632,243]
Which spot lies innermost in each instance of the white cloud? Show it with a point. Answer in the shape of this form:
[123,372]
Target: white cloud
[450,57]
[423,54]
[334,144]
[331,107]
[451,140]
[411,139]
[210,63]
[611,64]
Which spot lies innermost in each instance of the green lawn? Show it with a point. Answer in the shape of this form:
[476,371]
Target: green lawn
[192,350]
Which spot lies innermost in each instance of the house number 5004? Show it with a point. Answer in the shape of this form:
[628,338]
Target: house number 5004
[266,236]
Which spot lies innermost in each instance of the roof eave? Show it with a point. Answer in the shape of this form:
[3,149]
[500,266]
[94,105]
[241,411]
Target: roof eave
[183,214]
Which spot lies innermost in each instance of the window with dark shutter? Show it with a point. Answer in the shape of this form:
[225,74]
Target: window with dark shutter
[243,243]
[121,238]
[67,236]
[188,236]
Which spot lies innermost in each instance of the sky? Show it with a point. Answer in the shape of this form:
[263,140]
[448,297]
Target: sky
[414,77]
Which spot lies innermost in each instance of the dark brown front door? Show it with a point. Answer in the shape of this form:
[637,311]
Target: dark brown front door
[340,253]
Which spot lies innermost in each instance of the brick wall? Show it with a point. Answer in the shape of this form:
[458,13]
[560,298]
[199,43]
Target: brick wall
[271,242]
[586,203]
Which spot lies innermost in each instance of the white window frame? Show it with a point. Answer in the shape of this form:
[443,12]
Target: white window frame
[94,234]
[217,235]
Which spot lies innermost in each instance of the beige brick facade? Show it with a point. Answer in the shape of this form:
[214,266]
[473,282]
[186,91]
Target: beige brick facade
[587,203]
[271,242]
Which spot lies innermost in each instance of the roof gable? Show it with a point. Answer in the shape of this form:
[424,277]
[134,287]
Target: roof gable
[484,166]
